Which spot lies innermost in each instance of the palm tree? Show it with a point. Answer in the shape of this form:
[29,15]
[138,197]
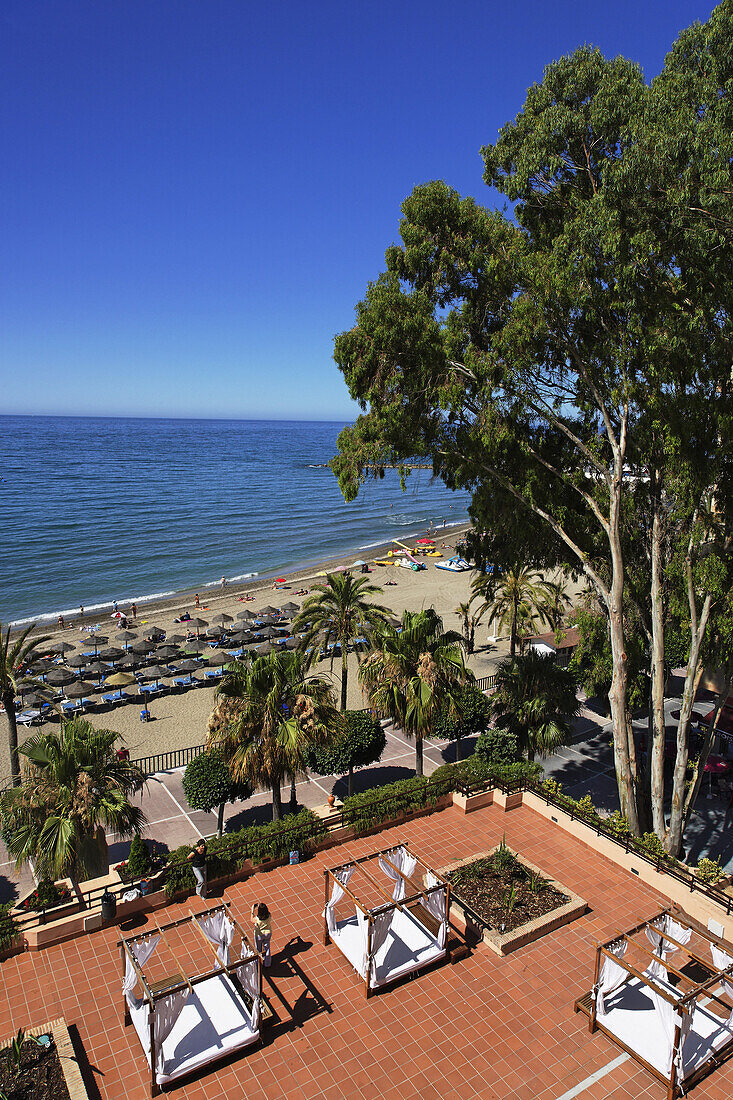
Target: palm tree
[536,700]
[337,613]
[414,676]
[518,599]
[469,623]
[14,662]
[75,788]
[558,604]
[267,717]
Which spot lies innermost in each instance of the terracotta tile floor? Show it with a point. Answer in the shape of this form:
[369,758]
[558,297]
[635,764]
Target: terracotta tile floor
[483,1028]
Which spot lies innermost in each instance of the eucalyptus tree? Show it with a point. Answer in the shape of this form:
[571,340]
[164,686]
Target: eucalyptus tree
[16,656]
[337,611]
[573,360]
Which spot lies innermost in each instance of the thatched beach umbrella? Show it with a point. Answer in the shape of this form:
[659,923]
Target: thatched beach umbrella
[142,648]
[246,615]
[120,680]
[155,633]
[165,652]
[217,660]
[80,690]
[127,636]
[268,610]
[189,667]
[60,676]
[194,646]
[96,668]
[174,639]
[111,653]
[80,661]
[222,618]
[156,673]
[61,648]
[293,607]
[198,623]
[264,649]
[129,662]
[292,643]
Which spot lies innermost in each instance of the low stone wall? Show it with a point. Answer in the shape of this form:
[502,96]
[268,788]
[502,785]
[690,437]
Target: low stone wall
[502,943]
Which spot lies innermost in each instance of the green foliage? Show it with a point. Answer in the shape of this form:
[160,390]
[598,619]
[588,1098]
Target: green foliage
[472,715]
[364,811]
[361,743]
[227,854]
[207,782]
[9,927]
[498,746]
[709,870]
[592,661]
[535,700]
[139,862]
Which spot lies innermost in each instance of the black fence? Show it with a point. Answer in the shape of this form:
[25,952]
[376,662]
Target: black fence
[167,761]
[486,683]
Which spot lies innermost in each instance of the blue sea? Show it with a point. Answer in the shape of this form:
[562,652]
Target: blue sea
[100,509]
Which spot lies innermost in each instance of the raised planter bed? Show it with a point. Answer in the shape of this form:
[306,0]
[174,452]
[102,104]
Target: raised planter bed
[504,889]
[51,1074]
[49,913]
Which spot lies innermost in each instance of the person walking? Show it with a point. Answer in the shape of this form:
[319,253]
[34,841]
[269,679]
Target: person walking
[133,610]
[262,922]
[197,601]
[197,858]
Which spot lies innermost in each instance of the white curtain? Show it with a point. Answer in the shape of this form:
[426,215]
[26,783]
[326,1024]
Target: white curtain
[362,923]
[435,904]
[670,1019]
[663,948]
[721,961]
[398,859]
[249,976]
[611,976]
[340,879]
[167,1011]
[381,923]
[142,950]
[219,931]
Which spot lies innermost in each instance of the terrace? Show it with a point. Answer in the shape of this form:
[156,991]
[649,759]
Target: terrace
[483,1027]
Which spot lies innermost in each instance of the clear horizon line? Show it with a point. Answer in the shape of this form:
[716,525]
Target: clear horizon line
[135,416]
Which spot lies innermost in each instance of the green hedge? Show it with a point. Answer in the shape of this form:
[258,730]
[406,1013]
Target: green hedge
[9,927]
[477,769]
[364,811]
[225,855]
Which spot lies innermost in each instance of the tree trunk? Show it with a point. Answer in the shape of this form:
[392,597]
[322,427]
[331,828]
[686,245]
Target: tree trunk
[458,746]
[351,780]
[220,819]
[618,691]
[293,796]
[693,676]
[710,734]
[9,704]
[656,731]
[513,635]
[344,675]
[277,808]
[418,755]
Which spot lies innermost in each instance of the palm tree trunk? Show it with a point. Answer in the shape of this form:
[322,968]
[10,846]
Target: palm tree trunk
[293,796]
[9,704]
[344,674]
[418,755]
[513,635]
[277,807]
[458,746]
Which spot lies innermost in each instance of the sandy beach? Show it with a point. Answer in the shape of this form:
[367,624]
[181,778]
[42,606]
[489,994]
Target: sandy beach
[179,719]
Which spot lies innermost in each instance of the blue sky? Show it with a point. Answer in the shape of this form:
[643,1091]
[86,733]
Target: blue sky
[195,192]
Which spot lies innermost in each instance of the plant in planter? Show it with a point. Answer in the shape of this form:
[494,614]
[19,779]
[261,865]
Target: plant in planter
[709,870]
[31,1067]
[9,928]
[45,896]
[144,860]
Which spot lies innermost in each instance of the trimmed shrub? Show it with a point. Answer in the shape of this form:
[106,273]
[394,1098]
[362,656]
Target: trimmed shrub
[498,746]
[709,870]
[139,862]
[362,743]
[208,783]
[225,855]
[9,927]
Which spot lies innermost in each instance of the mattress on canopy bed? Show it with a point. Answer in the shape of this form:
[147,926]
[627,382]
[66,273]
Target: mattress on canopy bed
[408,946]
[213,1023]
[632,1018]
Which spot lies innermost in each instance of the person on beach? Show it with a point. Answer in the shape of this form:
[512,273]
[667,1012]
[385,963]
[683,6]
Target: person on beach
[81,611]
[223,582]
[262,922]
[197,601]
[61,622]
[114,608]
[197,859]
[133,610]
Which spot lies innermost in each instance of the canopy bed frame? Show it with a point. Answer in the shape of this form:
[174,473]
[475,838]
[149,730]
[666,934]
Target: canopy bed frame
[677,1021]
[185,1022]
[405,932]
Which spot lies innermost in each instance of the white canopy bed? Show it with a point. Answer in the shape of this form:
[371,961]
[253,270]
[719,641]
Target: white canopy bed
[405,931]
[183,1022]
[677,1020]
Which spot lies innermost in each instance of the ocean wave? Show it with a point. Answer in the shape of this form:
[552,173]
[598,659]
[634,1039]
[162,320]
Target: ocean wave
[70,612]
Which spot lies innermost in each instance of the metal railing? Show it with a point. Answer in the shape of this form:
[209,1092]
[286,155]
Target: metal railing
[167,761]
[486,683]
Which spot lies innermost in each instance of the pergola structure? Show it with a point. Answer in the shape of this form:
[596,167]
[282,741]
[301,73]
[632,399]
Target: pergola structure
[185,1021]
[676,1020]
[405,931]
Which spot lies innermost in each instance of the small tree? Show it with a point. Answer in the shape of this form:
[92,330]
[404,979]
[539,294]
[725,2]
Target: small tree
[207,782]
[498,746]
[362,743]
[472,716]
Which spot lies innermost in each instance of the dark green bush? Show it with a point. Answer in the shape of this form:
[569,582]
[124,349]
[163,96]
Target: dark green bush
[139,862]
[361,743]
[208,784]
[9,927]
[498,746]
[225,855]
